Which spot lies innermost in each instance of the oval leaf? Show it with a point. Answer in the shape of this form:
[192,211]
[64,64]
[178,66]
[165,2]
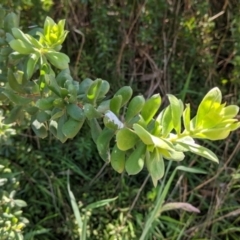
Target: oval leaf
[135,162]
[151,107]
[126,139]
[71,127]
[118,159]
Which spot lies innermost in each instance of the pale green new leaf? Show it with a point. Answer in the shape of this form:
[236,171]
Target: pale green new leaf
[208,105]
[176,107]
[187,117]
[200,150]
[165,119]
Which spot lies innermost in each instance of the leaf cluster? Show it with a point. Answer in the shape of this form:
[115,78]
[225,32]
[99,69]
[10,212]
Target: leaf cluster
[39,83]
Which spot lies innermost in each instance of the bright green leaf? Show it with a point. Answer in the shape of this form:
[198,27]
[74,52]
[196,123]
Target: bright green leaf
[115,104]
[176,107]
[134,107]
[103,142]
[118,159]
[151,107]
[155,165]
[199,150]
[126,94]
[126,139]
[135,162]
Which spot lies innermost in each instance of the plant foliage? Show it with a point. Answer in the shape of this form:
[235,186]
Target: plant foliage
[40,85]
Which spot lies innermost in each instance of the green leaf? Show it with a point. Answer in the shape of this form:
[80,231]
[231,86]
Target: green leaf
[230,111]
[45,103]
[72,89]
[150,139]
[208,106]
[21,47]
[126,139]
[71,127]
[57,59]
[155,165]
[115,104]
[103,142]
[126,94]
[84,86]
[57,114]
[43,116]
[20,203]
[60,123]
[111,121]
[104,88]
[151,107]
[39,129]
[172,154]
[134,107]
[91,112]
[213,134]
[75,112]
[52,84]
[10,21]
[31,64]
[103,106]
[95,129]
[63,76]
[59,102]
[165,119]
[32,110]
[74,205]
[16,115]
[18,34]
[118,159]
[34,42]
[135,162]
[100,203]
[13,97]
[176,107]
[157,129]
[186,117]
[94,90]
[199,150]
[53,127]
[13,83]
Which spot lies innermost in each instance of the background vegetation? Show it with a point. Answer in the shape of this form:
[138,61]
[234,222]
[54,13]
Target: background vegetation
[183,47]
